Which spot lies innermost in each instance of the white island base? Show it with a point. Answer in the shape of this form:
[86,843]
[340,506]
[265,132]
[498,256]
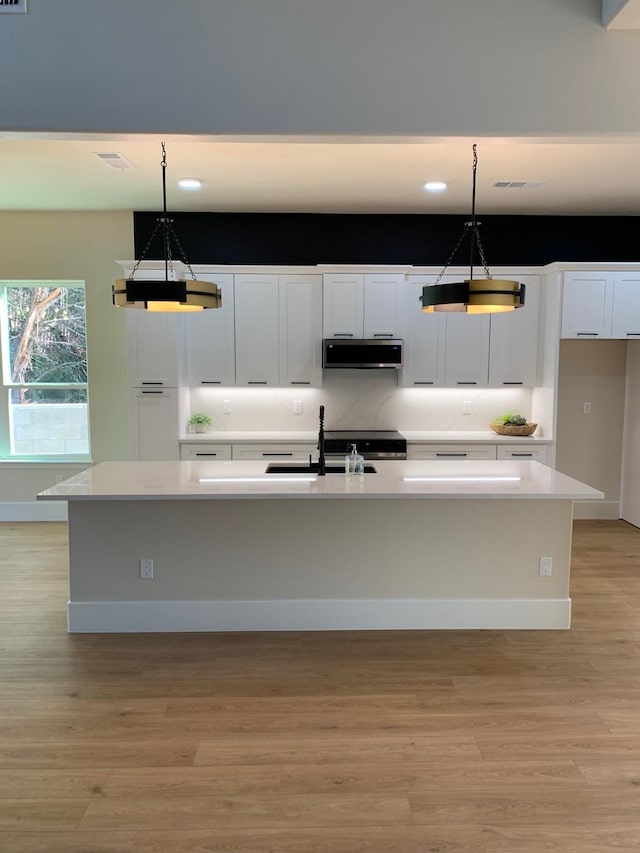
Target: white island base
[318,565]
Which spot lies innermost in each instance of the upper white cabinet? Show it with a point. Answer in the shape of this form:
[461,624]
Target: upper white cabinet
[423,335]
[278,329]
[587,304]
[513,345]
[601,305]
[626,305]
[153,349]
[300,299]
[362,305]
[208,340]
[466,350]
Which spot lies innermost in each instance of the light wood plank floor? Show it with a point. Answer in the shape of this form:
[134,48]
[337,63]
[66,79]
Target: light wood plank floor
[364,742]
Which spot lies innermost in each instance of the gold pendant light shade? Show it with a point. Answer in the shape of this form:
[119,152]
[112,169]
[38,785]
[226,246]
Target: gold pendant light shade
[173,296]
[474,296]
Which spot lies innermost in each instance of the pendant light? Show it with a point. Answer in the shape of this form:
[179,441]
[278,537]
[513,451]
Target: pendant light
[473,295]
[169,293]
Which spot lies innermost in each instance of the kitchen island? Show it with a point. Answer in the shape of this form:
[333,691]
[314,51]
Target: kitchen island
[415,545]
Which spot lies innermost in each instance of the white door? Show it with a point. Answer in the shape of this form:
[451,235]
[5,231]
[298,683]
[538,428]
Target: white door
[300,299]
[513,344]
[587,303]
[423,334]
[626,306]
[153,348]
[466,361]
[343,298]
[257,327]
[154,424]
[381,305]
[208,338]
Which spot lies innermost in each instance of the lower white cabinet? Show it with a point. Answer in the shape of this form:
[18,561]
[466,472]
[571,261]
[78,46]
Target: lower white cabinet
[205,452]
[274,452]
[154,424]
[451,452]
[524,452]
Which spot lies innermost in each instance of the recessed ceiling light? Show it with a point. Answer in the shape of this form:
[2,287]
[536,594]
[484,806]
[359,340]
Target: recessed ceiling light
[189,183]
[435,186]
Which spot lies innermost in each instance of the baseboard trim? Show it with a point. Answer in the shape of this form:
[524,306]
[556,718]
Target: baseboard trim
[33,510]
[596,509]
[95,617]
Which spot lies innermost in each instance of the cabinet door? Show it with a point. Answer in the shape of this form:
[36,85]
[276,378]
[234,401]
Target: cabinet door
[466,360]
[451,452]
[343,311]
[300,299]
[513,345]
[626,306]
[208,340]
[153,424]
[274,452]
[423,334]
[257,321]
[205,452]
[587,303]
[381,305]
[153,349]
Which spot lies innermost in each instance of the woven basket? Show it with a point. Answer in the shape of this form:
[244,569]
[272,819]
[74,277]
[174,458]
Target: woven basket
[511,429]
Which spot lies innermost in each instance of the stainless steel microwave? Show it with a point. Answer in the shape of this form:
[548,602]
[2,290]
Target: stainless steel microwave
[362,353]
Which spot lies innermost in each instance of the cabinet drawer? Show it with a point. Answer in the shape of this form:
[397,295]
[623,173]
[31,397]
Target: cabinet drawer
[452,452]
[524,452]
[203,452]
[285,452]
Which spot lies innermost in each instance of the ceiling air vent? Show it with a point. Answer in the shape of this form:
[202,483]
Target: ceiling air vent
[8,7]
[116,161]
[518,185]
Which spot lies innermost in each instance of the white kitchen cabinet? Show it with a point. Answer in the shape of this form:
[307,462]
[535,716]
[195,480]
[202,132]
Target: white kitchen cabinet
[300,330]
[513,341]
[203,452]
[625,321]
[278,329]
[154,424]
[451,452]
[257,330]
[153,349]
[209,339]
[466,350]
[357,305]
[274,452]
[524,452]
[587,304]
[423,334]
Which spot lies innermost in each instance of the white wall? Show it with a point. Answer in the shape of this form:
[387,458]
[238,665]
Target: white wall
[630,497]
[497,67]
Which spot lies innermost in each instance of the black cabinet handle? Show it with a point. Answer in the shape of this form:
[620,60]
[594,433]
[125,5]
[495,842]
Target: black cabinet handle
[423,382]
[587,334]
[451,454]
[276,454]
[466,383]
[210,382]
[300,382]
[257,382]
[206,454]
[513,383]
[521,454]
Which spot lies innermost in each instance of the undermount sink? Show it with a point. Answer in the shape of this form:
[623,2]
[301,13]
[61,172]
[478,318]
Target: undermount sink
[305,468]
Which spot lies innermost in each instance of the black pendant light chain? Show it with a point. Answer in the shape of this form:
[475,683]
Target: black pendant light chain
[166,224]
[475,232]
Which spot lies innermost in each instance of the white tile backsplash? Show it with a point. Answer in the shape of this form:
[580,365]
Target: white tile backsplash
[357,399]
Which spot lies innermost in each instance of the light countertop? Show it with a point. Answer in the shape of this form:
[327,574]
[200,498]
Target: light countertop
[247,480]
[412,436]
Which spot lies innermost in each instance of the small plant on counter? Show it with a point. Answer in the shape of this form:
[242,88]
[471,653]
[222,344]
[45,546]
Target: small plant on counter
[510,419]
[199,421]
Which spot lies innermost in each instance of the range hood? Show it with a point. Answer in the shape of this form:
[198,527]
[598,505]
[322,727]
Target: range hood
[362,353]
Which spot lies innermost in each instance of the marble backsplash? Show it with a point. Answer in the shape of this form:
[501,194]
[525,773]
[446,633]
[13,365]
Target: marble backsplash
[356,399]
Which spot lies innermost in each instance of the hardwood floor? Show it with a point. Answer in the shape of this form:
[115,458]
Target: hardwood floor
[364,742]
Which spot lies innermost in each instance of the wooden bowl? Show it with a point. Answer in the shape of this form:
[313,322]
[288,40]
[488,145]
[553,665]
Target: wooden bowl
[511,429]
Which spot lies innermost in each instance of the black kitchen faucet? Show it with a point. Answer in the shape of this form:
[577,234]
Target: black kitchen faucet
[321,460]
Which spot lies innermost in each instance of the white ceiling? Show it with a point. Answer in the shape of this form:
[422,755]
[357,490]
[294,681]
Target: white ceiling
[586,176]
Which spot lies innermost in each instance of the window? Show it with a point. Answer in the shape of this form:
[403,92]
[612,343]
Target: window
[44,406]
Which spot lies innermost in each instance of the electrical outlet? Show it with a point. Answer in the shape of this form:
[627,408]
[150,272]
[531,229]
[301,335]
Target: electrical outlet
[466,407]
[297,407]
[586,408]
[226,407]
[545,567]
[146,569]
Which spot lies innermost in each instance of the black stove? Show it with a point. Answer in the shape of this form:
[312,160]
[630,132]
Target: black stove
[372,444]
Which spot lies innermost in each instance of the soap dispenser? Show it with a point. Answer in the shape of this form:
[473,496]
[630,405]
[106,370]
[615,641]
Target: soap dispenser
[353,462]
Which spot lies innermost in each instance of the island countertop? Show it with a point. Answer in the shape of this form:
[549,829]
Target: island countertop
[149,481]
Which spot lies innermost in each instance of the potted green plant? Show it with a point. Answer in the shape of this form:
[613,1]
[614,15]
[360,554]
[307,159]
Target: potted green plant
[199,421]
[512,423]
